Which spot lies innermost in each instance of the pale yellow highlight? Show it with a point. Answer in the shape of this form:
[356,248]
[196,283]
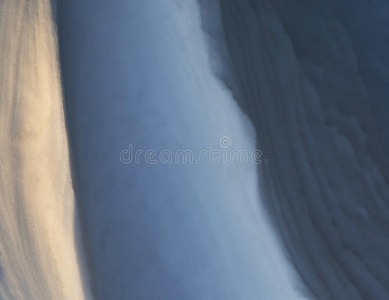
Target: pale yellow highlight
[40,252]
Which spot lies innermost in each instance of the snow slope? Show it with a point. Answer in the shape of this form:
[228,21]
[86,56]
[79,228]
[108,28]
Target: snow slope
[138,72]
[39,249]
[312,76]
[306,82]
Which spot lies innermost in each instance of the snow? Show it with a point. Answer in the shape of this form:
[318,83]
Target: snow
[313,75]
[40,252]
[304,82]
[139,73]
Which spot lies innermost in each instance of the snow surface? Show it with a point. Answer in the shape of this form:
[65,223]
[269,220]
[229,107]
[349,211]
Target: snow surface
[138,72]
[40,253]
[313,77]
[306,82]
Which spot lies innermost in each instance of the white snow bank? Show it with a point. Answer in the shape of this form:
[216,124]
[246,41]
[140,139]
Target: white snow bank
[137,72]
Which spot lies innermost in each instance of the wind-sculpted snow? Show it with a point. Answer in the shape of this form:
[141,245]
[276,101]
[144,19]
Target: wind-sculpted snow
[39,249]
[137,73]
[313,77]
[298,87]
